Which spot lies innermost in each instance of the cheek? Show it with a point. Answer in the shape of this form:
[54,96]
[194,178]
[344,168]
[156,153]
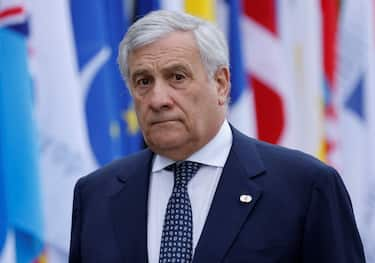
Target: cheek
[203,104]
[197,116]
[205,109]
[140,111]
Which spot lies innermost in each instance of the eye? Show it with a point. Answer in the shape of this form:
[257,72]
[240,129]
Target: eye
[143,82]
[177,79]
[178,76]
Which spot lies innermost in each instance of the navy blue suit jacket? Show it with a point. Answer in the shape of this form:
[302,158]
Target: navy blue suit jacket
[300,211]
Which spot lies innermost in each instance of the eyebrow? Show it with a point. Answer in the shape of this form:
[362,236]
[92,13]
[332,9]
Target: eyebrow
[177,66]
[174,66]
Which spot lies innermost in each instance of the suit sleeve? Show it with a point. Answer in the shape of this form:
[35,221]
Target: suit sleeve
[75,239]
[330,232]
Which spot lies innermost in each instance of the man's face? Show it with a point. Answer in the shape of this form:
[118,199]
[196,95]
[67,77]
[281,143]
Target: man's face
[179,107]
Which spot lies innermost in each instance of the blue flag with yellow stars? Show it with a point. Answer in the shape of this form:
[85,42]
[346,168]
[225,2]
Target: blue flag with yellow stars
[112,125]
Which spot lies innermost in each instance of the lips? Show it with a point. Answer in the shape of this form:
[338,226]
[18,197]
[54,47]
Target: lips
[162,122]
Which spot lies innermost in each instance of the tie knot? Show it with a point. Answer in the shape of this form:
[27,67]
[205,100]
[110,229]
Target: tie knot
[184,171]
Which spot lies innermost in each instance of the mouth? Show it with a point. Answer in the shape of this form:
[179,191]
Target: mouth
[160,122]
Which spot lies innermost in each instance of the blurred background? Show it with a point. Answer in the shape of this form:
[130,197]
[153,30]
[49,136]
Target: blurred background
[303,76]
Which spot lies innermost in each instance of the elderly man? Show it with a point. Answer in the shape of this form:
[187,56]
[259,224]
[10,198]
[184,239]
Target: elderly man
[203,192]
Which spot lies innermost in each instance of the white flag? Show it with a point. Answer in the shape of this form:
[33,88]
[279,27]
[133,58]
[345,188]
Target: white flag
[65,150]
[357,113]
[300,24]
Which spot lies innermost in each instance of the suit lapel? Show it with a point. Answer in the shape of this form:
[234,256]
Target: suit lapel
[128,207]
[227,212]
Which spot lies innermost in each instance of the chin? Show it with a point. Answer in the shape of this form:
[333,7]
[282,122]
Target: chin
[165,141]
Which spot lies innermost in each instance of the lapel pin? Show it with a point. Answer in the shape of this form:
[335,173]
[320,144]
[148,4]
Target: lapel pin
[246,198]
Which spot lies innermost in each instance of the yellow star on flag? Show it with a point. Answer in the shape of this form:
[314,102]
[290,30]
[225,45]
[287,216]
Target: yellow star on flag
[130,118]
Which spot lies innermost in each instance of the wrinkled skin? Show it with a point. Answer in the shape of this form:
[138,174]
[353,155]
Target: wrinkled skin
[178,106]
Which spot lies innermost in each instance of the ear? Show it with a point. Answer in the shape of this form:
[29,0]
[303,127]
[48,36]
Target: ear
[222,79]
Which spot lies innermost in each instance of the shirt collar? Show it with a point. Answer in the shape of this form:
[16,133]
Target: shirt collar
[214,153]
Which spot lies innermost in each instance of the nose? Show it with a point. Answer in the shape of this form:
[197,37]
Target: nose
[160,96]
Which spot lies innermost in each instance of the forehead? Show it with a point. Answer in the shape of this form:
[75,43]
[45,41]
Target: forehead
[174,47]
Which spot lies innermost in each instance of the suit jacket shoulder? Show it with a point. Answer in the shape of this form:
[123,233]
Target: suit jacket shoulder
[282,163]
[109,212]
[107,177]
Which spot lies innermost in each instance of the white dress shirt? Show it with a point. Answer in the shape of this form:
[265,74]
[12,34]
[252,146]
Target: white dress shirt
[201,188]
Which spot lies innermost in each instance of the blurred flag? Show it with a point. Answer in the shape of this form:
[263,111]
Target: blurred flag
[13,14]
[142,7]
[3,205]
[85,113]
[368,227]
[265,68]
[241,110]
[355,84]
[176,5]
[204,9]
[7,245]
[329,151]
[21,215]
[65,151]
[283,61]
[301,38]
[113,130]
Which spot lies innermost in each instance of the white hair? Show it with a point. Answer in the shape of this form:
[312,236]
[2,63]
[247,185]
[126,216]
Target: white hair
[210,40]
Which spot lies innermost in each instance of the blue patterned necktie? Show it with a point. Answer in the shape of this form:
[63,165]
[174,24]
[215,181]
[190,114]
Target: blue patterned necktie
[177,238]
